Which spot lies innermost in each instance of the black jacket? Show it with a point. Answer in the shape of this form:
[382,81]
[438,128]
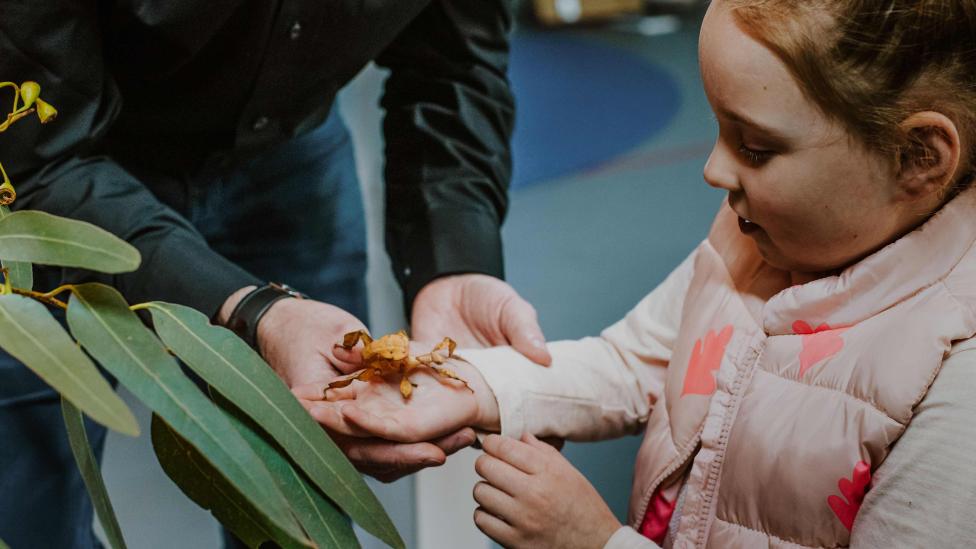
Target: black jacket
[152,92]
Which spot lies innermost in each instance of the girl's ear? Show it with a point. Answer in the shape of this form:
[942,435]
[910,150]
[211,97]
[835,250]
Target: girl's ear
[931,156]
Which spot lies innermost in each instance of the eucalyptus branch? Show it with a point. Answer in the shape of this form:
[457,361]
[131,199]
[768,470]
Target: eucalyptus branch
[50,298]
[43,298]
[30,93]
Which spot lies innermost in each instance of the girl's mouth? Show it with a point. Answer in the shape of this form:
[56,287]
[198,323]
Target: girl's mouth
[747,227]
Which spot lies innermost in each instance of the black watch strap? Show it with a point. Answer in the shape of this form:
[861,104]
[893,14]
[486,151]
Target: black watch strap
[244,319]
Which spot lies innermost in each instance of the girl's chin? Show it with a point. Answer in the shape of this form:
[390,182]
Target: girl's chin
[800,271]
[797,264]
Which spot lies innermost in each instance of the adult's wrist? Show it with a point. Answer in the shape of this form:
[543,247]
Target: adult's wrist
[275,321]
[251,308]
[231,303]
[418,261]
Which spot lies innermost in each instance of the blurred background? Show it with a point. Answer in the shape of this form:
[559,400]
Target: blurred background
[611,137]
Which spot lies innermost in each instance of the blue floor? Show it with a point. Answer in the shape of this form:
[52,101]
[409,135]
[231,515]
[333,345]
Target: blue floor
[608,197]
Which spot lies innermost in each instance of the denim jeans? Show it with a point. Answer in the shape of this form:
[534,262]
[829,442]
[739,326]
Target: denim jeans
[292,215]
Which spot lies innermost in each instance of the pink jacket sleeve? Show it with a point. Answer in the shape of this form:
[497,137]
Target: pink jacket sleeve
[597,387]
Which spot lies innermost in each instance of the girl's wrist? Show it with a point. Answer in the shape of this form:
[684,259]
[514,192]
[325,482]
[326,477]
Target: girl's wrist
[486,417]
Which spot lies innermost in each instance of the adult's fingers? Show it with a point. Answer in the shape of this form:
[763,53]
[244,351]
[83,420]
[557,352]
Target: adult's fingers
[330,415]
[353,357]
[451,443]
[400,429]
[387,461]
[386,427]
[310,391]
[517,453]
[520,326]
[346,362]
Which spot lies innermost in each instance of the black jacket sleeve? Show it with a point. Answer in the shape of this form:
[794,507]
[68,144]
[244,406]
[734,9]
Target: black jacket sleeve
[448,124]
[57,44]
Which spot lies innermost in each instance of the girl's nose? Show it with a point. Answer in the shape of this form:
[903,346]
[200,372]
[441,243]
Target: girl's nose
[720,170]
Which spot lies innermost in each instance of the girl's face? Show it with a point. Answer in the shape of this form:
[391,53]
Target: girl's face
[809,194]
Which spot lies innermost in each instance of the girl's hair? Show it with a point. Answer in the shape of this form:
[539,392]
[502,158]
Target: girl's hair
[872,63]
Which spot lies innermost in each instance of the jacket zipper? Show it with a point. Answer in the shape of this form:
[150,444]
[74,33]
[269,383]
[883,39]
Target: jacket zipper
[678,463]
[714,468]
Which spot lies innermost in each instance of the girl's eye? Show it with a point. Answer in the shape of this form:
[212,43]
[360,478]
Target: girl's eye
[755,157]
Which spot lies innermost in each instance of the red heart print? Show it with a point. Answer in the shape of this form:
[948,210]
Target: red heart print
[853,490]
[706,357]
[819,343]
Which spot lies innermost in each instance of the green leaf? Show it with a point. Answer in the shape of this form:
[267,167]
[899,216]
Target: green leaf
[91,473]
[40,237]
[34,337]
[321,518]
[20,273]
[240,375]
[102,322]
[3,545]
[208,488]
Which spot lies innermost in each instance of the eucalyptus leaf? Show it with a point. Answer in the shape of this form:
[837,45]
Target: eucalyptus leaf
[31,335]
[239,374]
[208,488]
[40,237]
[20,273]
[319,516]
[91,473]
[102,322]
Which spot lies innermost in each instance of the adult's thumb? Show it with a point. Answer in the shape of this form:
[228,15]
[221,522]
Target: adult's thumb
[521,328]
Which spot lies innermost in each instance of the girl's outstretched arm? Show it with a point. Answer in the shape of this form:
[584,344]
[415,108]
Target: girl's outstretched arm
[597,387]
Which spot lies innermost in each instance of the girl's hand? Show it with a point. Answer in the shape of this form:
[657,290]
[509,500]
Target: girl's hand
[533,497]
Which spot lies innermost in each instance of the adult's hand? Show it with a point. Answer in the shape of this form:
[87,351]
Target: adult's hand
[478,310]
[297,336]
[437,407]
[388,461]
[434,423]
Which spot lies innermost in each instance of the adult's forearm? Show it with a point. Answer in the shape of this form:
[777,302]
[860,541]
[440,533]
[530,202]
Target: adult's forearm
[449,119]
[177,264]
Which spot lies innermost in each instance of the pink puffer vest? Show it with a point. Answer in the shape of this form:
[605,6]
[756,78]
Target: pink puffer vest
[777,410]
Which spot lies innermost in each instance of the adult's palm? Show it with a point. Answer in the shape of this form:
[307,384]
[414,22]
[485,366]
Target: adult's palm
[438,406]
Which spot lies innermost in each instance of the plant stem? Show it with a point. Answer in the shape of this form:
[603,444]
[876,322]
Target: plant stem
[43,298]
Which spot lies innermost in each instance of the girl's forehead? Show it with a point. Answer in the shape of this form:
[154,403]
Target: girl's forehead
[746,80]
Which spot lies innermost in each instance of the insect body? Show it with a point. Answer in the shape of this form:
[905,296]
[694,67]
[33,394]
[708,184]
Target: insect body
[390,354]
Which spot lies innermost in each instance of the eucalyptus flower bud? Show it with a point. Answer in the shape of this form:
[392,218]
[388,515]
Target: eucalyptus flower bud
[45,111]
[29,92]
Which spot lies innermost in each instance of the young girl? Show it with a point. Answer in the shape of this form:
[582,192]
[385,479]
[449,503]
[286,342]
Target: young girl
[802,379]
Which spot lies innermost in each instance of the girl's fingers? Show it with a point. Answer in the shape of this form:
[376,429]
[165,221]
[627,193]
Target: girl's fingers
[495,501]
[495,528]
[523,456]
[500,474]
[544,446]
